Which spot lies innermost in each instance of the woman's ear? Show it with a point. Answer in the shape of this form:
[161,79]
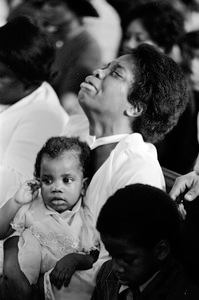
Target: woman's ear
[84,186]
[134,111]
[162,250]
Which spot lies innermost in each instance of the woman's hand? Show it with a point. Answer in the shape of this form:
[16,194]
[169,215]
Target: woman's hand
[63,271]
[28,192]
[188,185]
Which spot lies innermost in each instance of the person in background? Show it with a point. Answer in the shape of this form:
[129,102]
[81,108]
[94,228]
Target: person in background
[77,52]
[106,29]
[142,242]
[127,114]
[155,22]
[30,109]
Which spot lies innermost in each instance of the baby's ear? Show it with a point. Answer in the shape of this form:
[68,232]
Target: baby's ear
[84,186]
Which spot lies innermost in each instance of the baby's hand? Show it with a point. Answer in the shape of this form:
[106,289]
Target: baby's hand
[28,192]
[63,271]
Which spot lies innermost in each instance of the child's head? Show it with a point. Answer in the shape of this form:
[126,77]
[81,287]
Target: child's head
[62,166]
[138,225]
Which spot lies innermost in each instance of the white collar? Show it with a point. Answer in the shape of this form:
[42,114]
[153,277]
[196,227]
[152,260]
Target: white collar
[107,140]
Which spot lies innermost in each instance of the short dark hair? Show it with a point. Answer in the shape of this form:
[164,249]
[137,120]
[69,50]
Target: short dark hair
[26,50]
[141,214]
[163,21]
[56,146]
[160,88]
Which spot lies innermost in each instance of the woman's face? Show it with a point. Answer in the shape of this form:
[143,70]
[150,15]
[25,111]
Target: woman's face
[135,35]
[105,93]
[11,88]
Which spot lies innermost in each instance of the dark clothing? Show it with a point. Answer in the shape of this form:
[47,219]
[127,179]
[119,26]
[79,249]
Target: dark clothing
[171,283]
[179,149]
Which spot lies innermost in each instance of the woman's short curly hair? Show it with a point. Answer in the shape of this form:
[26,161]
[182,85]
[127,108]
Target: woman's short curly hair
[164,23]
[56,146]
[26,50]
[160,89]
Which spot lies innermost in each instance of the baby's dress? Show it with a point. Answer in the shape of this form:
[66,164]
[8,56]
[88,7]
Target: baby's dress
[46,236]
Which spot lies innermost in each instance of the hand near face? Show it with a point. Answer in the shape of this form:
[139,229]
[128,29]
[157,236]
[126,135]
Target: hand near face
[28,192]
[188,184]
[63,271]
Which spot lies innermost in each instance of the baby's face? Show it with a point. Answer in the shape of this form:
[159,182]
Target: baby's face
[62,181]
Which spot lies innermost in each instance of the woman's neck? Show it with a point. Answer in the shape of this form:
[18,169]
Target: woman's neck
[99,130]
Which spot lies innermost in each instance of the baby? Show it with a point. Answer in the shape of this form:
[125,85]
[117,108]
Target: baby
[47,213]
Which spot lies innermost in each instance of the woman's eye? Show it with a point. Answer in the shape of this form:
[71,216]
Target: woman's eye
[115,73]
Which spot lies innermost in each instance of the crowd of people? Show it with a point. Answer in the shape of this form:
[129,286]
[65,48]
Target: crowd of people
[97,98]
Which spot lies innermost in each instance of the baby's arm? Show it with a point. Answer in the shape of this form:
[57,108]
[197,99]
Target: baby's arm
[27,193]
[67,265]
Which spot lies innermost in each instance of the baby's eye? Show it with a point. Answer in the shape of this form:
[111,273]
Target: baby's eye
[47,181]
[68,180]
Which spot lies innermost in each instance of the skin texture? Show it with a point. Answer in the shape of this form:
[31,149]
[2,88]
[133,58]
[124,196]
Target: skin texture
[61,181]
[112,82]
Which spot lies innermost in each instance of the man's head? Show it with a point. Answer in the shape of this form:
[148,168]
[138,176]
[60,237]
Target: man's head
[139,225]
[26,56]
[26,50]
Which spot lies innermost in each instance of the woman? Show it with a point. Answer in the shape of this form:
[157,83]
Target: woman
[156,23]
[131,103]
[30,109]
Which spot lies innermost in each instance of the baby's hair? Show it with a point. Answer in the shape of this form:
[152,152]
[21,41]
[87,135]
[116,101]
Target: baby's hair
[55,147]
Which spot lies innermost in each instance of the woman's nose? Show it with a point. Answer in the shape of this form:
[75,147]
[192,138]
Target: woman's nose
[99,73]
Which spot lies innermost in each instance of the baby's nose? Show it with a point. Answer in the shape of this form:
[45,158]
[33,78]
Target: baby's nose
[57,188]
